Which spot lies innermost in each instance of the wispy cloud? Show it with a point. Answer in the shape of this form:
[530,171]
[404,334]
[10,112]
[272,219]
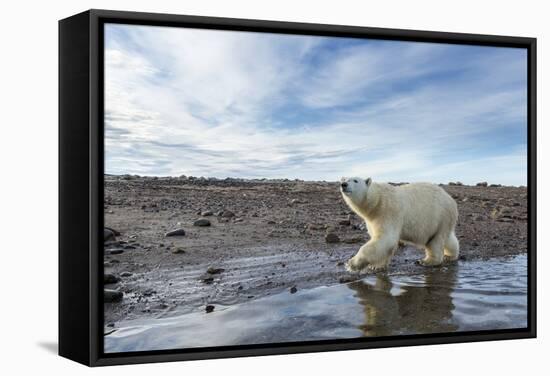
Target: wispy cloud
[219,103]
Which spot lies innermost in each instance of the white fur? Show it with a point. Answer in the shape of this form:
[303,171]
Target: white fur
[419,213]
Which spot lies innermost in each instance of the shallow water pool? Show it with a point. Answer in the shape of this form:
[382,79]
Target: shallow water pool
[473,295]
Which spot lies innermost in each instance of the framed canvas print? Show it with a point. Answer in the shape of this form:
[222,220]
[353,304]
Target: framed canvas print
[235,187]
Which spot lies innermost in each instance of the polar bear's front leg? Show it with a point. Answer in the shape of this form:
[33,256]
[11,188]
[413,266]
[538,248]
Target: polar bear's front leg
[376,254]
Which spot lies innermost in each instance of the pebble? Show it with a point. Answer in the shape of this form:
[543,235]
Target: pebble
[117,233]
[206,279]
[315,226]
[346,279]
[332,238]
[293,290]
[213,270]
[126,274]
[112,296]
[227,214]
[295,201]
[202,222]
[114,251]
[177,251]
[178,232]
[353,240]
[110,278]
[207,213]
[209,308]
[108,234]
[344,222]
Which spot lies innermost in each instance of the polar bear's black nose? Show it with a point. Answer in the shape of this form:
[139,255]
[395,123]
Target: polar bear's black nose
[344,185]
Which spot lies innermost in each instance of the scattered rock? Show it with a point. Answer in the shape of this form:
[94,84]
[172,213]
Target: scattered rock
[126,274]
[315,226]
[346,279]
[227,214]
[495,185]
[117,233]
[293,290]
[208,279]
[178,232]
[202,222]
[207,213]
[213,270]
[112,296]
[149,292]
[353,240]
[482,184]
[110,278]
[114,251]
[506,220]
[331,237]
[345,222]
[108,235]
[178,251]
[237,220]
[209,308]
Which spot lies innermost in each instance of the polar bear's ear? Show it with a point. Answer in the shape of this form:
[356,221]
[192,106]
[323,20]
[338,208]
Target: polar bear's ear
[368,181]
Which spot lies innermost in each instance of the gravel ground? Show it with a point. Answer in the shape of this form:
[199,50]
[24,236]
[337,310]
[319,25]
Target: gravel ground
[237,240]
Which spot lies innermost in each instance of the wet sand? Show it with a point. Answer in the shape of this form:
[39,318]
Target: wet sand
[264,237]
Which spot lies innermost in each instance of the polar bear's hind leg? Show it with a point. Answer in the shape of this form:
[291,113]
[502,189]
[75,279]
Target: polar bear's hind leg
[434,251]
[451,247]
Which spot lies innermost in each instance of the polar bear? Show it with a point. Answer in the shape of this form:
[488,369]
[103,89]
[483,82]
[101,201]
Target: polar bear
[419,213]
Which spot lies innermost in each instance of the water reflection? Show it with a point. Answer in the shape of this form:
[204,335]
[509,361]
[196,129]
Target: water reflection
[422,305]
[477,295]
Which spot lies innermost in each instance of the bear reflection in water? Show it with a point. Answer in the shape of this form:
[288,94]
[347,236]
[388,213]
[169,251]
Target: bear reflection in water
[421,305]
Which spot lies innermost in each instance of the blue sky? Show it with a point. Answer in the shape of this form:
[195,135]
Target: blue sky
[237,104]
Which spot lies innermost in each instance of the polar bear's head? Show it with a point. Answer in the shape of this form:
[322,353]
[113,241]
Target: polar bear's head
[355,189]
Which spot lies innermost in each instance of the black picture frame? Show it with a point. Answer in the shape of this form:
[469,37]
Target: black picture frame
[81,186]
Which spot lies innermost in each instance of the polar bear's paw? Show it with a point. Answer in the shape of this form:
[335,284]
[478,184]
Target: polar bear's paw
[449,259]
[354,266]
[350,267]
[429,262]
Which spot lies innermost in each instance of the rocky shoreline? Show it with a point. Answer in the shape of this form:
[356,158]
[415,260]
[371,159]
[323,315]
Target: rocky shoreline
[181,244]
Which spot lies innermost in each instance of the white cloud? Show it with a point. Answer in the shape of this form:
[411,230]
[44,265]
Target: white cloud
[213,103]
